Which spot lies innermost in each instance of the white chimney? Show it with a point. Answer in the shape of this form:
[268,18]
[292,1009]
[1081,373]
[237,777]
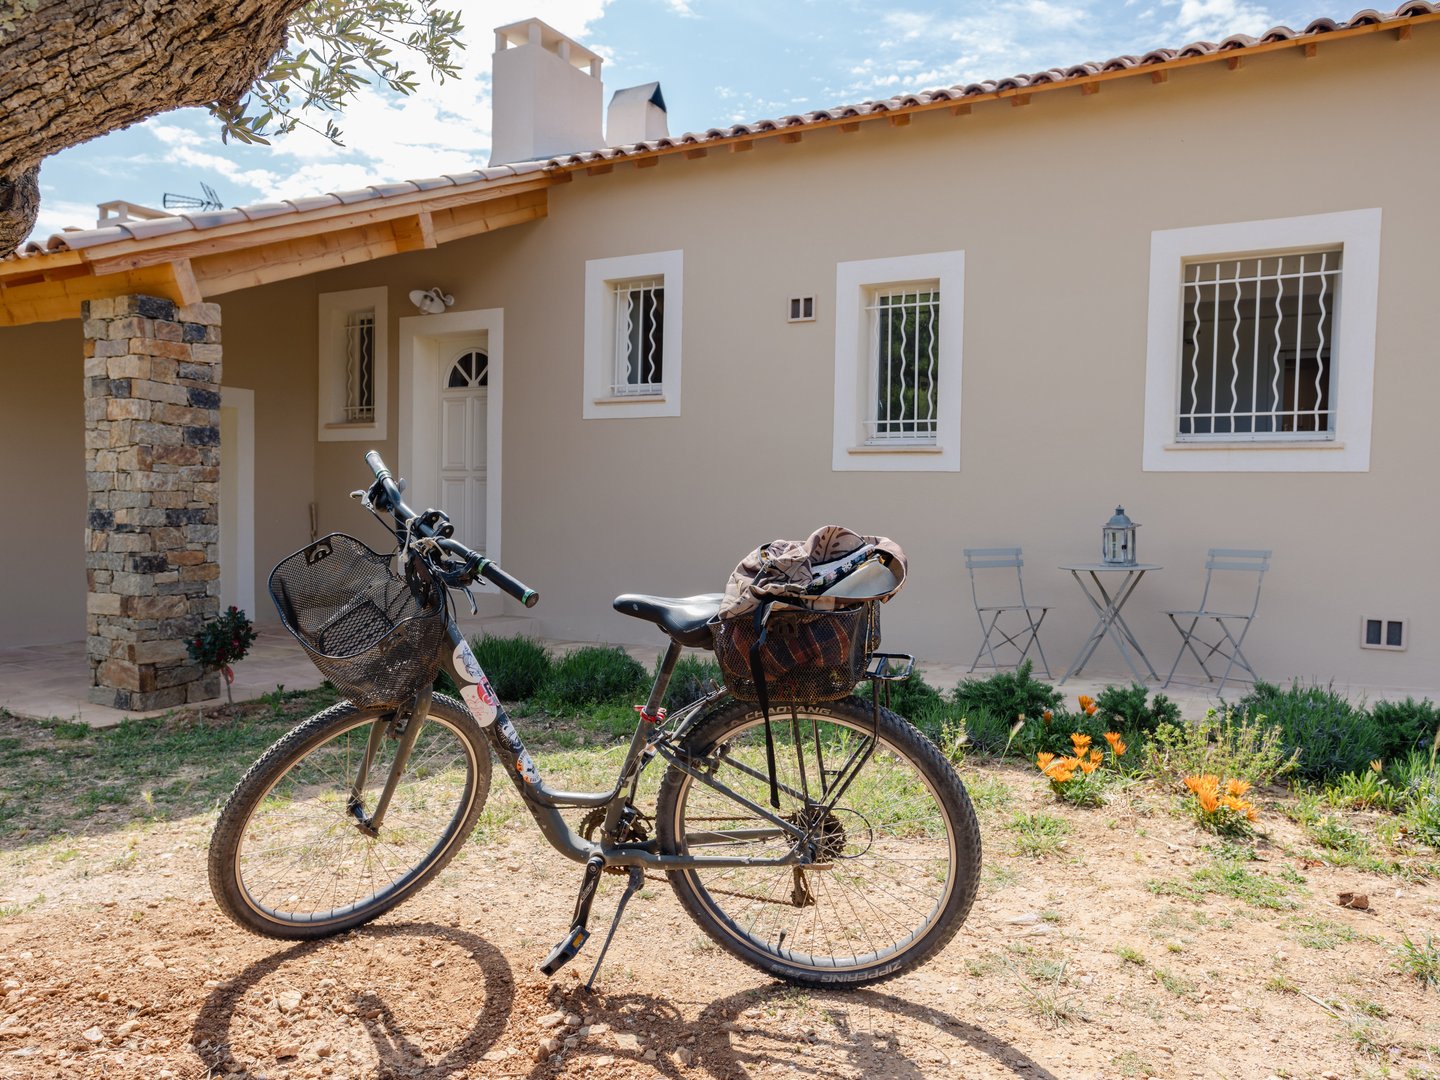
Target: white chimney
[636,114]
[546,94]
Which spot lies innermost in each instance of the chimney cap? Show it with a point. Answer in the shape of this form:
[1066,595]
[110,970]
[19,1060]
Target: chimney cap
[518,33]
[645,92]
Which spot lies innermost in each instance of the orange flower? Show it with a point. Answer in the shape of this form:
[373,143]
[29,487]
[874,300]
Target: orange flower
[1085,701]
[1236,787]
[1096,756]
[1082,742]
[1088,766]
[1090,709]
[1043,760]
[1117,745]
[1061,772]
[1047,716]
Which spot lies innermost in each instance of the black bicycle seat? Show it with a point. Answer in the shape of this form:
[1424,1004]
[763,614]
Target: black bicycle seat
[685,618]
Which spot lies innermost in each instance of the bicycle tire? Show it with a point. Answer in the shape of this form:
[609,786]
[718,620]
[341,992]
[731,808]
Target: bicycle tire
[898,855]
[297,795]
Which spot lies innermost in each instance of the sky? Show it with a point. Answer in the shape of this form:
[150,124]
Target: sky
[719,62]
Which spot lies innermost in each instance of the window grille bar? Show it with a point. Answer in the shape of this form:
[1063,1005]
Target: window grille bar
[1228,387]
[360,367]
[639,338]
[904,344]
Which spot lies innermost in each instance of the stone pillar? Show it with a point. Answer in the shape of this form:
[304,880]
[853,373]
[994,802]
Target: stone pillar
[152,467]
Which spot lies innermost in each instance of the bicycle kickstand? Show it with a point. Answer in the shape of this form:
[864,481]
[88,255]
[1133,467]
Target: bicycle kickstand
[579,932]
[634,885]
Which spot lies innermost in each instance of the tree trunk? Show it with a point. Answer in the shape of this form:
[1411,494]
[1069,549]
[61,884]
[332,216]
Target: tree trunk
[74,69]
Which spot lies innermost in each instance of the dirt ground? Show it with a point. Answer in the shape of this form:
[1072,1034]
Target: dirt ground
[115,963]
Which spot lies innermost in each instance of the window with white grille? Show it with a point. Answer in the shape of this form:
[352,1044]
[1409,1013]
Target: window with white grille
[360,367]
[352,362]
[899,332]
[633,308]
[905,360]
[1258,347]
[639,338]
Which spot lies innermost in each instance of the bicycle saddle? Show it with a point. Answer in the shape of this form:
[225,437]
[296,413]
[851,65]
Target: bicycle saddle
[685,618]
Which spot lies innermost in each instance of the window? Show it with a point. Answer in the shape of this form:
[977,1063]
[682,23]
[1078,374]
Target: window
[897,363]
[351,351]
[632,336]
[1261,345]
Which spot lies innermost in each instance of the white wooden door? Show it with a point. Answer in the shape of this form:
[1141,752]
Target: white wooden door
[462,444]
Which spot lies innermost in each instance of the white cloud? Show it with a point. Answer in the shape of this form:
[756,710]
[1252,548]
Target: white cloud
[1219,18]
[682,7]
[57,215]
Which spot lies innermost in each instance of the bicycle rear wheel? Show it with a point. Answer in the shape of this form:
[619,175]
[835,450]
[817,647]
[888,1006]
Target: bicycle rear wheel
[895,857]
[290,856]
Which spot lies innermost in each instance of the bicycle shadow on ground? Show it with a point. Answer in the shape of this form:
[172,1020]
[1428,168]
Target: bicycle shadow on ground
[820,1033]
[224,1034]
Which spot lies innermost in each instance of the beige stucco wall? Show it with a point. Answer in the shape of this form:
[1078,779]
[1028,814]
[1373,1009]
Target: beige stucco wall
[1054,205]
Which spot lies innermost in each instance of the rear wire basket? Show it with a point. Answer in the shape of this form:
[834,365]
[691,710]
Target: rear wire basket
[808,655]
[360,624]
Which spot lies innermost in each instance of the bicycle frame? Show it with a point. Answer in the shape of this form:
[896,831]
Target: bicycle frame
[650,739]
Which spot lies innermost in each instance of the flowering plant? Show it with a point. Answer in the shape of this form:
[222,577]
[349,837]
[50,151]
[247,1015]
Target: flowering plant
[1220,806]
[1076,777]
[221,642]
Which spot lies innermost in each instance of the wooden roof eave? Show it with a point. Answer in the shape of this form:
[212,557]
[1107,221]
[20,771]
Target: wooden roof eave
[190,266]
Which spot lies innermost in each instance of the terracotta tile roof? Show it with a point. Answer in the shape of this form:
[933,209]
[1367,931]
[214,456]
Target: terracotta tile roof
[1012,84]
[79,239]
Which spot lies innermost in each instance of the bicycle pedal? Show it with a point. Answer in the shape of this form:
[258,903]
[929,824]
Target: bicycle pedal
[566,951]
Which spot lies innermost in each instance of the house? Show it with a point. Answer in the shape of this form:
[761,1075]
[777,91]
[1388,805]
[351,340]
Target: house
[1195,282]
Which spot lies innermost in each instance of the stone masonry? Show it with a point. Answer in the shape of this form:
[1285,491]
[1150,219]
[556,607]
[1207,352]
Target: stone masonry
[152,468]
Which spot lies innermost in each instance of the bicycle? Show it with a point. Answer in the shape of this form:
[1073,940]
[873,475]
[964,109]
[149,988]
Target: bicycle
[853,857]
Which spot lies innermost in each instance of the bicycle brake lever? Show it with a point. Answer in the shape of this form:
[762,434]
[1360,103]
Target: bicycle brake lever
[474,607]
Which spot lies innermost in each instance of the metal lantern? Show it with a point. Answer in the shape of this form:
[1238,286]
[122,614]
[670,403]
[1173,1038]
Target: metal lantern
[1117,540]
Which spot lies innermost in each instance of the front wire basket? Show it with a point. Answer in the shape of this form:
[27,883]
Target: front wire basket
[361,625]
[808,655]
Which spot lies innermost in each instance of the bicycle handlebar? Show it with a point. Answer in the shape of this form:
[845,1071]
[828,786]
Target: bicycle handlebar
[475,563]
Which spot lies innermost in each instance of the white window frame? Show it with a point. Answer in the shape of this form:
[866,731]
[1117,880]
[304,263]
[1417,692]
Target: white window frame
[601,278]
[1344,449]
[334,310]
[856,284]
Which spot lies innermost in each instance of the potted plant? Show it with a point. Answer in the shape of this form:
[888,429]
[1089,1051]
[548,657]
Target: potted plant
[221,642]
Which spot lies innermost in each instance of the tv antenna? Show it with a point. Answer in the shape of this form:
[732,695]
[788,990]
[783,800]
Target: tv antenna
[210,201]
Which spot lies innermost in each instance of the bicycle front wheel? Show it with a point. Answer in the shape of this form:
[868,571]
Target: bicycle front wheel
[294,855]
[892,843]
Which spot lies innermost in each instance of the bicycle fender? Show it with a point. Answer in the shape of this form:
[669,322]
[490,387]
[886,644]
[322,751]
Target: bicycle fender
[474,686]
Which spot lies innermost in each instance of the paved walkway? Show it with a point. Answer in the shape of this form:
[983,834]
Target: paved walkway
[53,680]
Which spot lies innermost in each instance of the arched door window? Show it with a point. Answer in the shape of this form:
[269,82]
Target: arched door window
[471,371]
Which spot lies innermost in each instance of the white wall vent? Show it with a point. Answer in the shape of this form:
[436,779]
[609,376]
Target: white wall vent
[1391,634]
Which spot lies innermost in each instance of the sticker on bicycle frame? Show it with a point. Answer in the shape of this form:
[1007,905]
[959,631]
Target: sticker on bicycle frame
[482,710]
[479,698]
[523,764]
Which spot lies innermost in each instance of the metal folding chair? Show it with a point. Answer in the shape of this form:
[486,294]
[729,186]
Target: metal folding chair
[1021,638]
[1234,564]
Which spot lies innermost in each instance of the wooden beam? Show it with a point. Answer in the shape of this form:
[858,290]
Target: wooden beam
[960,109]
[600,170]
[414,234]
[791,136]
[850,127]
[898,119]
[1089,89]
[52,301]
[185,284]
[1234,63]
[1402,33]
[1158,77]
[1310,50]
[696,152]
[1020,99]
[741,147]
[647,162]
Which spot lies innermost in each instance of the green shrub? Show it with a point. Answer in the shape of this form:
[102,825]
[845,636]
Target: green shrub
[1419,778]
[516,666]
[1331,735]
[1131,709]
[1006,696]
[1222,744]
[590,676]
[917,701]
[1405,725]
[692,678]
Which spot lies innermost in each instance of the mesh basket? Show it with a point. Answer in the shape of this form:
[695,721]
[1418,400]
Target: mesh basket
[808,656]
[360,624]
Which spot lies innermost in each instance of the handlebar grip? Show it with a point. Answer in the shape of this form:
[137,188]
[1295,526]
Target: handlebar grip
[516,588]
[377,465]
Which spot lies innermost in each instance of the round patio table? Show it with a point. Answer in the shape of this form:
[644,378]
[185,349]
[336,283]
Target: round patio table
[1107,604]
